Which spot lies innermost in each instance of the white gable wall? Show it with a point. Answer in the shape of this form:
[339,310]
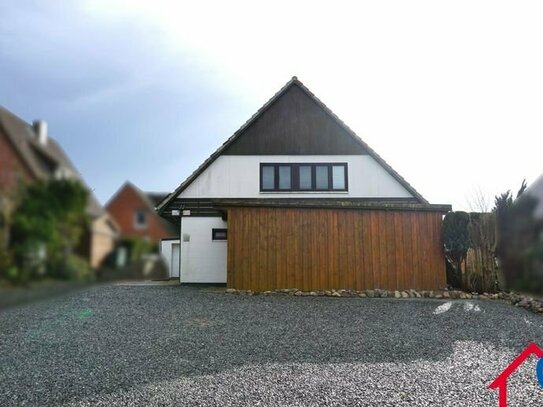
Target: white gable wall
[238,176]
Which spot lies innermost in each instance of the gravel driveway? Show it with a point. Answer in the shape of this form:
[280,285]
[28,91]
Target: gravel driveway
[171,345]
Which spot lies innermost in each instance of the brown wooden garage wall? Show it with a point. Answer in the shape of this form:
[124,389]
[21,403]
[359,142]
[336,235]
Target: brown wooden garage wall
[317,249]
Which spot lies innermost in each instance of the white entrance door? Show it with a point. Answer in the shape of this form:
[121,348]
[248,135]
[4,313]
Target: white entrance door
[174,267]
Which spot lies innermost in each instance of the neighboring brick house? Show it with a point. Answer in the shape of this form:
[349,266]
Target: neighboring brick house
[28,154]
[134,212]
[12,169]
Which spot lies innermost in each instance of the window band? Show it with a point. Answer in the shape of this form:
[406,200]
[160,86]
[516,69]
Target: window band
[328,177]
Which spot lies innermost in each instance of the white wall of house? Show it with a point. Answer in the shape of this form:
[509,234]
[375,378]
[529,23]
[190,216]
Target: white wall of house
[233,176]
[203,260]
[170,255]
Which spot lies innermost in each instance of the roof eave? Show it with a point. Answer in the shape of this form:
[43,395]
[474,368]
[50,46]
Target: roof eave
[336,204]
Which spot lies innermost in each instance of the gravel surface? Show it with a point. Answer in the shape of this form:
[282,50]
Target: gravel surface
[11,296]
[171,345]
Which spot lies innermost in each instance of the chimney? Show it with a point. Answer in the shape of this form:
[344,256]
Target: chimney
[40,128]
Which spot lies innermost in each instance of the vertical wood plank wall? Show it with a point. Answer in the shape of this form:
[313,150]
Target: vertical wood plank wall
[318,249]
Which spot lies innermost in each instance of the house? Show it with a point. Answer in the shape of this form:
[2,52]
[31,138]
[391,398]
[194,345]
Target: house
[29,154]
[134,211]
[295,199]
[500,382]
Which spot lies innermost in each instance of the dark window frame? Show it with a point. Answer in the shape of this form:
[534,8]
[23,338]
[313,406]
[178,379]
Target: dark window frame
[295,177]
[143,222]
[214,232]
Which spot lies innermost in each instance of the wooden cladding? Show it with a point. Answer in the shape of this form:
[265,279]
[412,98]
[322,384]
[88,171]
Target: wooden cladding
[319,249]
[295,124]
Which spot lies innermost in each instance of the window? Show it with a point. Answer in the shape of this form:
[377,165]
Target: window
[321,177]
[305,177]
[268,177]
[140,219]
[219,234]
[338,177]
[286,177]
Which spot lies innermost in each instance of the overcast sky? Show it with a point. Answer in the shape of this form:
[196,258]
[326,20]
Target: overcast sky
[449,93]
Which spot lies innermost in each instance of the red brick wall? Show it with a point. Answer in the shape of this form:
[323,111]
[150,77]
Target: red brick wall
[123,207]
[12,170]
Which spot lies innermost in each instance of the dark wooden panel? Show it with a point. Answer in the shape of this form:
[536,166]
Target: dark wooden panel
[390,238]
[367,269]
[272,248]
[295,125]
[409,270]
[376,249]
[317,249]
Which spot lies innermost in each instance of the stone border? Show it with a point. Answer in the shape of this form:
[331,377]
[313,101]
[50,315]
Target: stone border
[519,300]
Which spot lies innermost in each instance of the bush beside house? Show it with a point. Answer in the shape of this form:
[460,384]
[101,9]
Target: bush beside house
[43,231]
[498,250]
[520,243]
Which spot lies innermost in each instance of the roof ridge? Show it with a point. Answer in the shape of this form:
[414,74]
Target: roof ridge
[139,192]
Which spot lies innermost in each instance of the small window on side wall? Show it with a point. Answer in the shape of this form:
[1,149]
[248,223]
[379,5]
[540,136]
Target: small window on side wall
[219,234]
[140,219]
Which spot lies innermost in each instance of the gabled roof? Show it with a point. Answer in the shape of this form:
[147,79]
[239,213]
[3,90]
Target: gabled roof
[293,82]
[42,160]
[150,199]
[156,197]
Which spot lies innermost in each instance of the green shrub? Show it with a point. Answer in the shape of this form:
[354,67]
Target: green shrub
[46,227]
[137,248]
[17,276]
[5,262]
[456,241]
[520,250]
[73,268]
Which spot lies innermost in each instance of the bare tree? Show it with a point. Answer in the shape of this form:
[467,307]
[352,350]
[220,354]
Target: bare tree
[478,201]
